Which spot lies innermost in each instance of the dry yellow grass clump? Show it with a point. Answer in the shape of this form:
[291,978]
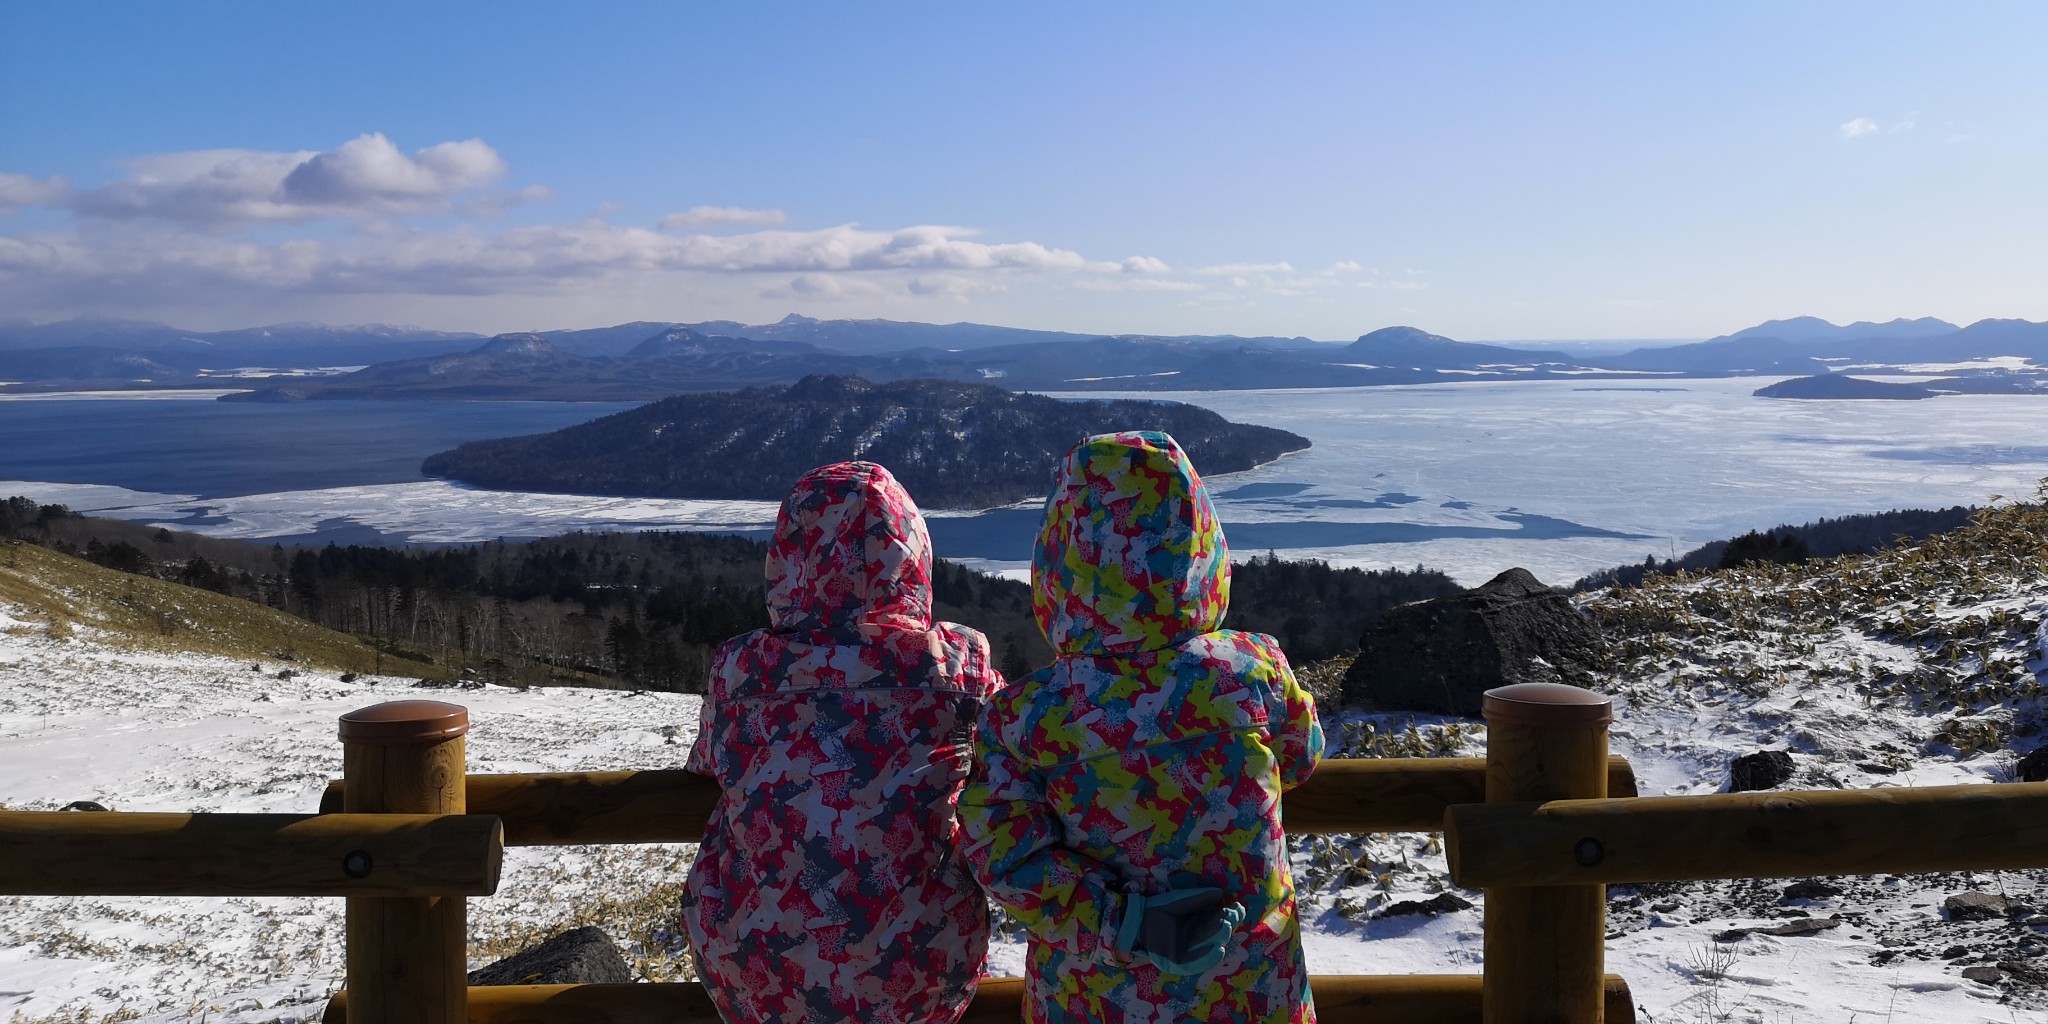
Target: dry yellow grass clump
[58,594]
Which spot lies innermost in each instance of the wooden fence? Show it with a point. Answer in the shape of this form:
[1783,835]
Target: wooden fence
[1542,823]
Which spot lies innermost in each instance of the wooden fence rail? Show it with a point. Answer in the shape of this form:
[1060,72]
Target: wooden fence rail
[1340,999]
[1749,835]
[1400,794]
[1538,823]
[121,853]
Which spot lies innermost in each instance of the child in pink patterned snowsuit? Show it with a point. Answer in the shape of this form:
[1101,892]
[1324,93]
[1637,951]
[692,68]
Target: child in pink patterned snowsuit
[1127,805]
[830,885]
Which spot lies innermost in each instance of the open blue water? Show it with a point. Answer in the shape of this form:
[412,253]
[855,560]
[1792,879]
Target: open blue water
[221,449]
[1472,478]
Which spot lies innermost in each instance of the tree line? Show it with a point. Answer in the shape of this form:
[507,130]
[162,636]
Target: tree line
[640,610]
[1822,538]
[953,445]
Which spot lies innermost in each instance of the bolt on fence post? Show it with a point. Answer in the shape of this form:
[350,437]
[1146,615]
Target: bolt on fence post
[1545,948]
[408,956]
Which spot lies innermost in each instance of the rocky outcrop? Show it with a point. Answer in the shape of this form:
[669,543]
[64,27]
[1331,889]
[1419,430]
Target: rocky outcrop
[1765,769]
[953,445]
[1442,655]
[2033,767]
[581,956]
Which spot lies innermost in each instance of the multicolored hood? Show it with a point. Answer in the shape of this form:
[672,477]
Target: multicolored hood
[850,555]
[1131,557]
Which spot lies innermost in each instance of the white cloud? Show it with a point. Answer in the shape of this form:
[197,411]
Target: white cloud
[132,258]
[19,190]
[1239,269]
[724,216]
[1345,267]
[368,171]
[1858,127]
[1142,284]
[954,286]
[364,177]
[216,229]
[827,286]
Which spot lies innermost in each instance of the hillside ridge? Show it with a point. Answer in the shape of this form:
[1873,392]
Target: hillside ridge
[952,444]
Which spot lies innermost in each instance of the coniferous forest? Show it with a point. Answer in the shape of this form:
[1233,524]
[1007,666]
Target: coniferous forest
[953,445]
[640,610]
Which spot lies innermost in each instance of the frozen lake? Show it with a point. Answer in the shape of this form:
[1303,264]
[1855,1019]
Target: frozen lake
[1561,477]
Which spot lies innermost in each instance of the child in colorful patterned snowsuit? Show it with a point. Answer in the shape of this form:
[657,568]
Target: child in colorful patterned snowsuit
[1127,805]
[830,885]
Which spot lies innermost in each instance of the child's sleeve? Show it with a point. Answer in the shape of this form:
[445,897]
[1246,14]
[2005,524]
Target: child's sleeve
[710,726]
[1065,898]
[1298,736]
[700,760]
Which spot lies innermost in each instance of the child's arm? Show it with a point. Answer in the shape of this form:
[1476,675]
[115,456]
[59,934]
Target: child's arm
[702,759]
[1063,897]
[1298,736]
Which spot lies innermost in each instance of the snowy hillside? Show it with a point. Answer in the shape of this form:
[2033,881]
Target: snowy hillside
[1915,667]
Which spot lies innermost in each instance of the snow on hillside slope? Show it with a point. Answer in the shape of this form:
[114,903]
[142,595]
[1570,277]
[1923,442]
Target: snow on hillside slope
[1913,667]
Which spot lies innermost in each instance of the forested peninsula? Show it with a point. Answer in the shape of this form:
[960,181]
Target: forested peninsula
[953,445]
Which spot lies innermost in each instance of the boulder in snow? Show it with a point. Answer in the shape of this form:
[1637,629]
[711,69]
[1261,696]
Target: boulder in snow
[1810,889]
[1765,769]
[1441,903]
[580,956]
[1976,906]
[1442,655]
[2033,767]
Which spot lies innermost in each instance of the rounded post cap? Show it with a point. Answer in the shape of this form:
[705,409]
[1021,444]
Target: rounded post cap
[400,722]
[1553,705]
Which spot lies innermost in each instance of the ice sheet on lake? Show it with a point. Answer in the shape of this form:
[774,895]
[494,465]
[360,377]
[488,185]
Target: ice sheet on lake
[1472,478]
[167,395]
[427,512]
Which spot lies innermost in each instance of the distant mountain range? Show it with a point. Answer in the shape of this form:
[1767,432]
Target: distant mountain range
[952,445]
[646,360]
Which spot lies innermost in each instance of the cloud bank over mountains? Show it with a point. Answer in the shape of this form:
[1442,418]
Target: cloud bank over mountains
[367,218]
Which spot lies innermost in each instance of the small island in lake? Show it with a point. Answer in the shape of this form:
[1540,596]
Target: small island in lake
[954,445]
[1836,386]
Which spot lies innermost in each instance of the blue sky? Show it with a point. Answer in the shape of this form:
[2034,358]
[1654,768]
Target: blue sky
[1485,171]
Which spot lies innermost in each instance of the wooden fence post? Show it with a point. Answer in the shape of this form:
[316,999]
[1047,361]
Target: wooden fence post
[407,956]
[1545,948]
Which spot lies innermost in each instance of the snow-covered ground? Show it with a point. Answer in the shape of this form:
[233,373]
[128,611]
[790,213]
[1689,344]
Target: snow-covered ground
[1881,701]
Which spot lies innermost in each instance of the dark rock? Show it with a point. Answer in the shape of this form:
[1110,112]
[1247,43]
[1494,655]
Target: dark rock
[1811,889]
[1801,926]
[2033,767]
[1955,952]
[581,956]
[1986,975]
[1441,903]
[84,805]
[1797,926]
[1764,769]
[1441,655]
[1976,906]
